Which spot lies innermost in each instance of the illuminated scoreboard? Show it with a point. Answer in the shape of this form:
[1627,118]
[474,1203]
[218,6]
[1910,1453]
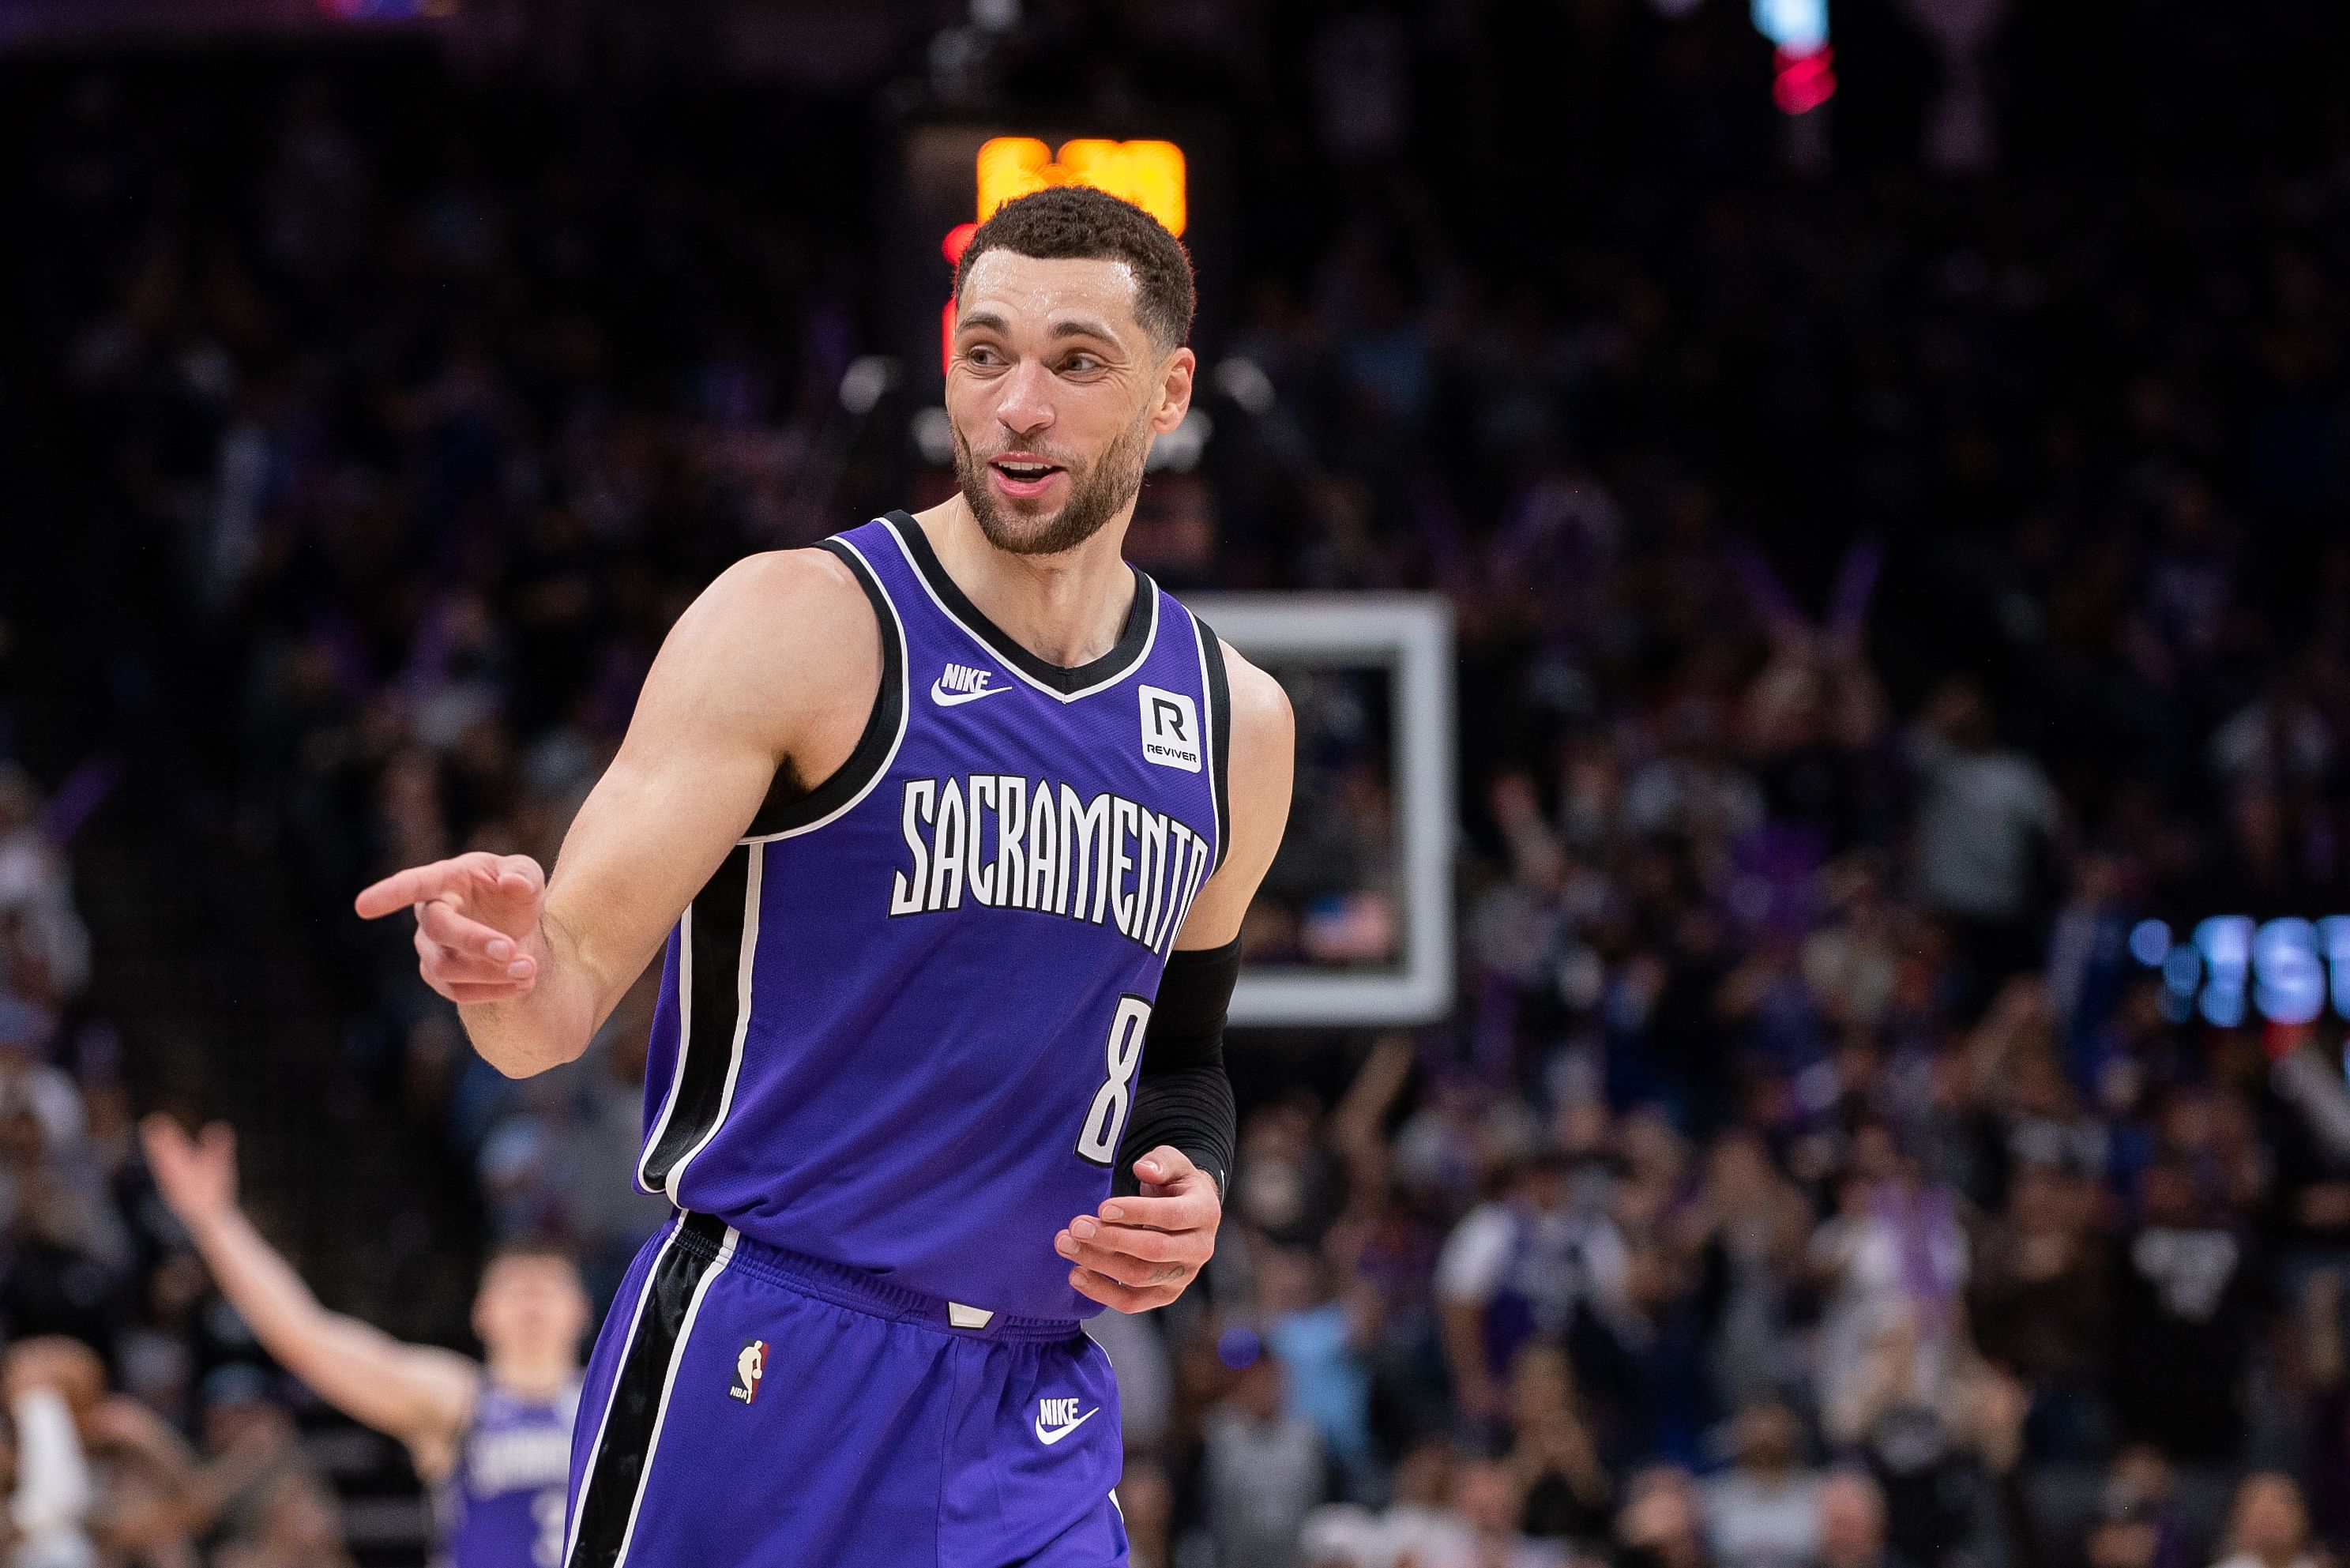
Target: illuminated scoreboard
[2231,969]
[1148,173]
[954,178]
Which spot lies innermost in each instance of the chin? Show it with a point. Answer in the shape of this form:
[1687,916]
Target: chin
[1024,533]
[1014,529]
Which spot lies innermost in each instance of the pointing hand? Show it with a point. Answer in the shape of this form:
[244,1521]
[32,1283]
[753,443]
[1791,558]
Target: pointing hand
[477,930]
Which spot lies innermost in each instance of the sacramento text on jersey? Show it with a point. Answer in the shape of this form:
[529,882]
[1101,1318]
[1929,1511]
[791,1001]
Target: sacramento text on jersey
[1108,860]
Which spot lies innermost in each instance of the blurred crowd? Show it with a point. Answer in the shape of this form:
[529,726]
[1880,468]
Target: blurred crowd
[1877,598]
[137,1419]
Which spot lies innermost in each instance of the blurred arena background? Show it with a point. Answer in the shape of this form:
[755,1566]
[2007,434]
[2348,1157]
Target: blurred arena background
[1800,1018]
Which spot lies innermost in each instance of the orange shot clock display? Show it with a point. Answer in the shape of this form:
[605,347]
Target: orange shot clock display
[1150,174]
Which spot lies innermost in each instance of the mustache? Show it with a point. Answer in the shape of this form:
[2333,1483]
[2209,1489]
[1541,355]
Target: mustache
[1042,453]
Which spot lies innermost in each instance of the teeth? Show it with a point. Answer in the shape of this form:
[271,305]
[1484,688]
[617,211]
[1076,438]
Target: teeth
[1027,469]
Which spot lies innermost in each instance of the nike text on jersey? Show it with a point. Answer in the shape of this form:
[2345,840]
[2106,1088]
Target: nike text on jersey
[961,683]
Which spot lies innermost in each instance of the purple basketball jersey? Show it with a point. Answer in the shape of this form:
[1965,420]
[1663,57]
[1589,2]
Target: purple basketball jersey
[899,1028]
[503,1505]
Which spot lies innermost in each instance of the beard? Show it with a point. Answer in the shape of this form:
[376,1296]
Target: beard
[1097,492]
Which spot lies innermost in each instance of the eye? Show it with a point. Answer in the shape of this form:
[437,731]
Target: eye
[981,354]
[1081,364]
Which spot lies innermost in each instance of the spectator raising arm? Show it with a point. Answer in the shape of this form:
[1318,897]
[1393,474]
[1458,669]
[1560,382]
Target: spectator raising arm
[420,1394]
[54,1490]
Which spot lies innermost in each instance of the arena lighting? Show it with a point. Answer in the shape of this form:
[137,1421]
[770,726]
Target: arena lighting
[1150,174]
[1803,78]
[1802,82]
[2233,968]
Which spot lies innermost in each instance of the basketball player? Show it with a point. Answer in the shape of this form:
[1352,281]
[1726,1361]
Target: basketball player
[942,821]
[492,1439]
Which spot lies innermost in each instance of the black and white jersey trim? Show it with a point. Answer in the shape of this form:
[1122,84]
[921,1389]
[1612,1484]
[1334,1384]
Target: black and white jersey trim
[1065,682]
[1217,689]
[717,942]
[785,815]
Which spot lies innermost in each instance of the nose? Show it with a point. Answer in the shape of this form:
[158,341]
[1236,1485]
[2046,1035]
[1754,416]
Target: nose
[1026,406]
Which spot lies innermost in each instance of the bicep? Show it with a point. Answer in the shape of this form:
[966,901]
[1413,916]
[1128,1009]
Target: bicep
[1258,771]
[738,682]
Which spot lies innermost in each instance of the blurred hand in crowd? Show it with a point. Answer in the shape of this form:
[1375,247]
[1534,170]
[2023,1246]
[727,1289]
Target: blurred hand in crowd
[196,1176]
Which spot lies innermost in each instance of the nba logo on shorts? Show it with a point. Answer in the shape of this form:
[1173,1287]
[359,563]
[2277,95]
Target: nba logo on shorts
[1171,729]
[749,1367]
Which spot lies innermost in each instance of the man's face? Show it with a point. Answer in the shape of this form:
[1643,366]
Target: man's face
[530,1305]
[1055,392]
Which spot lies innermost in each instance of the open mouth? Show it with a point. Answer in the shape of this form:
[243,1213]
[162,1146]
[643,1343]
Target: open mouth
[1024,478]
[1024,472]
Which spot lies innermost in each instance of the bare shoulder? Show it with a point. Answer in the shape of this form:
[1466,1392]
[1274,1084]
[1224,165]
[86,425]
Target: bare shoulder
[786,596]
[1258,769]
[777,643]
[802,608]
[1262,725]
[1264,756]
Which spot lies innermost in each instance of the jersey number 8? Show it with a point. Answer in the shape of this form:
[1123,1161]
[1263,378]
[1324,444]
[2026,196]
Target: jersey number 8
[1106,1117]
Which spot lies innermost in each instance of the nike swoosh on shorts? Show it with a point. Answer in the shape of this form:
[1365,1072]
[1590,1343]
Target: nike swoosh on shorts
[1049,1438]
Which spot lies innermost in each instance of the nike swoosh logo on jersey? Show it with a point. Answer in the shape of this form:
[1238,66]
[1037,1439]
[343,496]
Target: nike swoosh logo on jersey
[946,699]
[1057,1433]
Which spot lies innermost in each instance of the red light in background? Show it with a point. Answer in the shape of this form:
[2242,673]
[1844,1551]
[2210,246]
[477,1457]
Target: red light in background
[1802,82]
[957,240]
[1150,174]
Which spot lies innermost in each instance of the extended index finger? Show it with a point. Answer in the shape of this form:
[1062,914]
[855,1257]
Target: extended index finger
[405,890]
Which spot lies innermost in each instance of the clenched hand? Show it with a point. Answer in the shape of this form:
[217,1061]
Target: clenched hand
[1140,1253]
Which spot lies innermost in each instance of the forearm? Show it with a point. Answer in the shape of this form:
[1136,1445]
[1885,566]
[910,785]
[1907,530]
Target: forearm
[406,1391]
[552,1023]
[283,1313]
[53,1485]
[1189,1109]
[1462,1327]
[1182,1098]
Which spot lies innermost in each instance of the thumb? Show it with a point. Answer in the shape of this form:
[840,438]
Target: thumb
[517,890]
[1164,1166]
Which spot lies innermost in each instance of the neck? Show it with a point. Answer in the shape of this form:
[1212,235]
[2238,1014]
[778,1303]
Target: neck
[532,1376]
[1068,609]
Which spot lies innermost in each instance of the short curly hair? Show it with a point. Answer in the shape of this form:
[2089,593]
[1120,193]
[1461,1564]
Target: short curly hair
[1072,222]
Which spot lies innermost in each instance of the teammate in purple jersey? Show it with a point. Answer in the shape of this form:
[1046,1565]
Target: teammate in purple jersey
[944,831]
[492,1439]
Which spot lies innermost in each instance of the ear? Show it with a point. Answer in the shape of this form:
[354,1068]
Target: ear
[1174,390]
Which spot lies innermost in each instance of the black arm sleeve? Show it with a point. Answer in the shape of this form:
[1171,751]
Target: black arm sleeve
[1182,1097]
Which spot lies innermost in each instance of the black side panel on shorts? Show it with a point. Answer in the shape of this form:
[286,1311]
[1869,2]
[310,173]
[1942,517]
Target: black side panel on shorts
[785,808]
[706,1050]
[616,1470]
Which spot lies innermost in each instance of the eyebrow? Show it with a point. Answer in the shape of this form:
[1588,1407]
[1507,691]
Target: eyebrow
[1068,326]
